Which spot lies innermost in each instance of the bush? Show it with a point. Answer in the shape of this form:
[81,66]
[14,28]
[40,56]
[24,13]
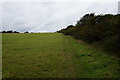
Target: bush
[100,29]
[111,44]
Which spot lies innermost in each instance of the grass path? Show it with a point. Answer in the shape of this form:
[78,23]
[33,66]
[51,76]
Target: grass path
[53,55]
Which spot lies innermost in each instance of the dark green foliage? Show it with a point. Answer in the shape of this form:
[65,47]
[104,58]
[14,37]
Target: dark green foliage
[26,32]
[101,29]
[111,44]
[3,31]
[68,31]
[10,31]
[15,32]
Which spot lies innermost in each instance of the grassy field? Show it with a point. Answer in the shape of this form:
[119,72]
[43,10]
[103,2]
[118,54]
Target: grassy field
[54,55]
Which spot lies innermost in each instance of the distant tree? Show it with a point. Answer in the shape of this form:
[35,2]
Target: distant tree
[15,32]
[26,32]
[3,31]
[9,31]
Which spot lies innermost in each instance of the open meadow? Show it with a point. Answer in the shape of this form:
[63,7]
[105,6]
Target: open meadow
[54,55]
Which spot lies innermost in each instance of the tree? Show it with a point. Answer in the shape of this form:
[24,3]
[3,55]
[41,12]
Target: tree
[26,32]
[15,32]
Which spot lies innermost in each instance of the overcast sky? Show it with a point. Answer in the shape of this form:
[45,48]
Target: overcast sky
[50,15]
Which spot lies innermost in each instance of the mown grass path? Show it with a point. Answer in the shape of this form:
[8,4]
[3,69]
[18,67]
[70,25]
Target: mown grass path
[54,55]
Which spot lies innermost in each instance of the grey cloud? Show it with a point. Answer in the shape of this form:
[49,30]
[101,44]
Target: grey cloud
[103,8]
[48,16]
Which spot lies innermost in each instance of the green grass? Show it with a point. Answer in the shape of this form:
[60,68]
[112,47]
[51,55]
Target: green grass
[54,55]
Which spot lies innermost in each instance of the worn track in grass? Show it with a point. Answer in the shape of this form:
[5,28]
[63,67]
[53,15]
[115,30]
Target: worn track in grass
[53,55]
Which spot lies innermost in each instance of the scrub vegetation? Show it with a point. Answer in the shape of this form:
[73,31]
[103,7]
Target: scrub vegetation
[102,31]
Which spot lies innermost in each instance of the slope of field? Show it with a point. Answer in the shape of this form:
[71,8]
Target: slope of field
[53,55]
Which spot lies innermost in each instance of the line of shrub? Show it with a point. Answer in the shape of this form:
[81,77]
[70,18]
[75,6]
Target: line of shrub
[100,30]
[10,31]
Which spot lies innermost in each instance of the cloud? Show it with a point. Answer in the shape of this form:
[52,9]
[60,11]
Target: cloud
[49,16]
[103,8]
[59,0]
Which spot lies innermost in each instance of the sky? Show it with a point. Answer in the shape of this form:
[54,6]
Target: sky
[49,15]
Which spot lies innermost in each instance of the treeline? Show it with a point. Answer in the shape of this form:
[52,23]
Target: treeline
[10,31]
[103,31]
